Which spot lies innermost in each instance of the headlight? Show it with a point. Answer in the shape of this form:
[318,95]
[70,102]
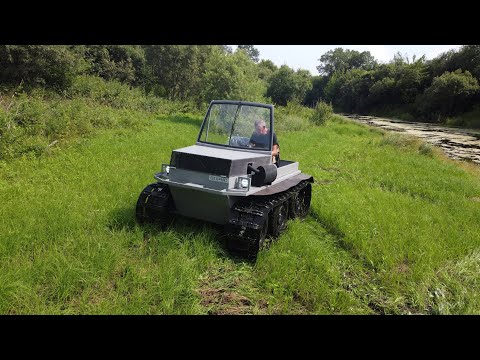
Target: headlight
[243,183]
[166,168]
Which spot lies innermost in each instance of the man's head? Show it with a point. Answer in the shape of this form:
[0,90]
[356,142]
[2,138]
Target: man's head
[260,126]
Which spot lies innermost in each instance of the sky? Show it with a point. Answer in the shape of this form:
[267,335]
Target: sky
[306,56]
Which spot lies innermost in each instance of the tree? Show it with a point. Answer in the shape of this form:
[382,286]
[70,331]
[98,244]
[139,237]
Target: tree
[340,60]
[411,79]
[125,63]
[317,92]
[266,68]
[383,93]
[231,76]
[47,65]
[227,49]
[251,51]
[450,94]
[177,70]
[466,58]
[348,91]
[286,85]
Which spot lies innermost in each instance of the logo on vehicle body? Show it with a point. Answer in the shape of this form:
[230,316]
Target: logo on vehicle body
[218,178]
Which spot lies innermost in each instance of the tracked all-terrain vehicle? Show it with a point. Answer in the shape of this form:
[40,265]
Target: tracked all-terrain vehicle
[229,179]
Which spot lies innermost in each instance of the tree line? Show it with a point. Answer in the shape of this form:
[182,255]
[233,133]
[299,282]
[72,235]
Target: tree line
[428,90]
[352,81]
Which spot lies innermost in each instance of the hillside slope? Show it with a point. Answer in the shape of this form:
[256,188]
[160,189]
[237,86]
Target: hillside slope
[393,229]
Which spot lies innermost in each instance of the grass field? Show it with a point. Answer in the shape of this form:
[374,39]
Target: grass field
[394,229]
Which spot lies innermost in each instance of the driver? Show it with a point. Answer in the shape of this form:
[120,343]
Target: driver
[261,138]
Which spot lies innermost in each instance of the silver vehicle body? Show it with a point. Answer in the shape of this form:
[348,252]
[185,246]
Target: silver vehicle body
[206,179]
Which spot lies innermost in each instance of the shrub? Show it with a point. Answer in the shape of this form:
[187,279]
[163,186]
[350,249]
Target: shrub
[426,149]
[450,94]
[322,112]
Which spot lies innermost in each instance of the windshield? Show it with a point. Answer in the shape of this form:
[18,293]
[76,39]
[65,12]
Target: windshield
[237,125]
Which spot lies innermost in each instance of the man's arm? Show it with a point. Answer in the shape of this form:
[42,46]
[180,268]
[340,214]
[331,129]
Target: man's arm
[275,150]
[275,147]
[251,143]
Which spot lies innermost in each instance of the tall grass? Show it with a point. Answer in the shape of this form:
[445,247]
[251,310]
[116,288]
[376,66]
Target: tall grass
[392,230]
[31,123]
[292,117]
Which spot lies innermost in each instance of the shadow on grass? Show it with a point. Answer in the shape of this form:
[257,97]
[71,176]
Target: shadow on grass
[193,121]
[123,219]
[339,236]
[333,229]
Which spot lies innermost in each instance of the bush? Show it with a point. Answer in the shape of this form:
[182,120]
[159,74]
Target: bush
[322,112]
[111,93]
[426,149]
[30,122]
[121,96]
[293,117]
[450,94]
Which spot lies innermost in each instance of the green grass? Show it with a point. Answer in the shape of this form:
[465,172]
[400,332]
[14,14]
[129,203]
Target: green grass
[393,229]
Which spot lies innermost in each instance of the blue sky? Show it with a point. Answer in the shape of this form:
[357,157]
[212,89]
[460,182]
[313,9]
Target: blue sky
[306,56]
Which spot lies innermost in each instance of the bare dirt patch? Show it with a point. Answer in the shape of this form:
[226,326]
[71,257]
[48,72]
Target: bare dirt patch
[225,302]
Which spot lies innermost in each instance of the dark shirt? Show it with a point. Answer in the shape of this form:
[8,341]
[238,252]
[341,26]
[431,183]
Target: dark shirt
[262,140]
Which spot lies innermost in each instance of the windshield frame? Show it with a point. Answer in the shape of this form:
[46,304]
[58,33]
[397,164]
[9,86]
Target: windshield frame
[239,104]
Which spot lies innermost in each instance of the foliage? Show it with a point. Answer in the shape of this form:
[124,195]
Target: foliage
[293,117]
[232,77]
[352,81]
[287,85]
[176,70]
[349,91]
[340,60]
[317,92]
[44,65]
[227,49]
[467,58]
[383,92]
[124,63]
[449,94]
[251,51]
[31,123]
[323,111]
[266,68]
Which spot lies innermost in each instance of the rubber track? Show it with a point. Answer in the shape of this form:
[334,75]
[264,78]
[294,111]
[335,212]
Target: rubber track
[153,204]
[247,217]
